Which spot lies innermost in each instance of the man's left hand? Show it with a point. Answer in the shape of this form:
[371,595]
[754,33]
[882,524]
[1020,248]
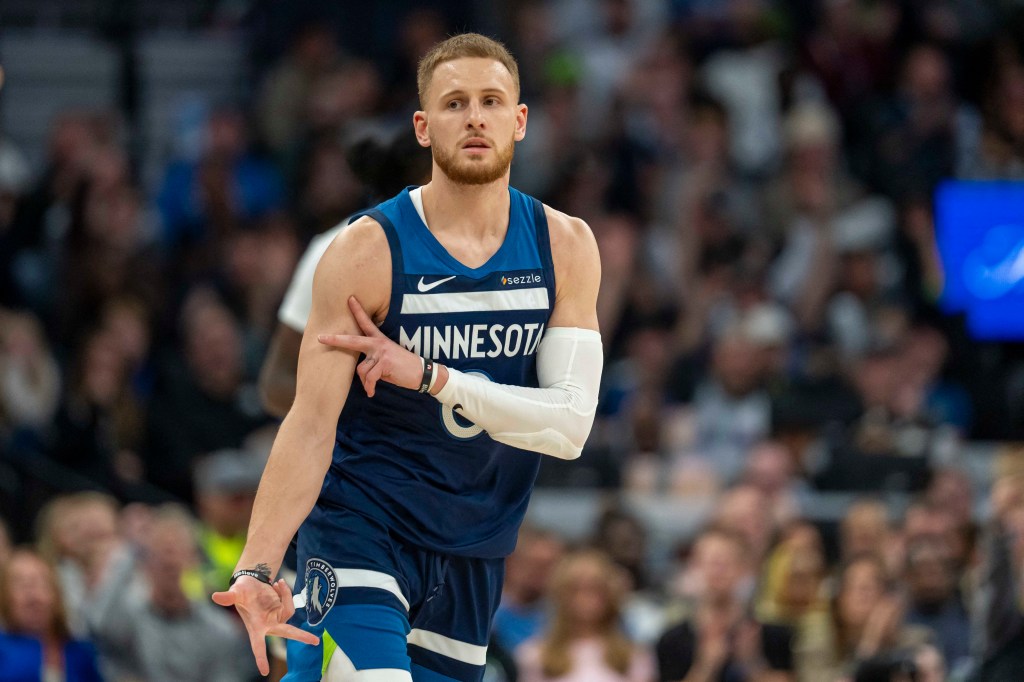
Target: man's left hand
[385,360]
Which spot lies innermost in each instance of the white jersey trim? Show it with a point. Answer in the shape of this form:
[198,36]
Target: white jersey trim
[535,298]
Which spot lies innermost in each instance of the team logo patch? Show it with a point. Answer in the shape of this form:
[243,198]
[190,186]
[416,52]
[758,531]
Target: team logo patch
[321,590]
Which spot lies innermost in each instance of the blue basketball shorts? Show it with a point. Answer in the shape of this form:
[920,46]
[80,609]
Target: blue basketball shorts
[386,611]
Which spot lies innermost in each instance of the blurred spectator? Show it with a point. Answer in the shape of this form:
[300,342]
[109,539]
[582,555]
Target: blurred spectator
[205,200]
[151,626]
[129,322]
[36,643]
[331,187]
[861,311]
[923,274]
[850,51]
[892,432]
[865,530]
[204,405]
[100,426]
[43,218]
[534,42]
[793,584]
[15,177]
[925,520]
[226,483]
[257,266]
[30,379]
[769,468]
[719,640]
[75,534]
[934,601]
[745,76]
[108,250]
[524,610]
[952,490]
[812,208]
[745,510]
[607,43]
[915,137]
[731,408]
[286,87]
[584,641]
[940,399]
[346,95]
[553,130]
[999,154]
[866,619]
[419,29]
[623,538]
[998,619]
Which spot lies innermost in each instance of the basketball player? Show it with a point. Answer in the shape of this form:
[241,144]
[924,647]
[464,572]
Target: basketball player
[468,312]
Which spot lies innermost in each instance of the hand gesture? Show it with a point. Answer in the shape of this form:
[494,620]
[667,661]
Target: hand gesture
[882,625]
[265,610]
[385,360]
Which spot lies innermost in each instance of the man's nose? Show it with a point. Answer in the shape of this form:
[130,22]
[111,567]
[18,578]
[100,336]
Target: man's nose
[475,115]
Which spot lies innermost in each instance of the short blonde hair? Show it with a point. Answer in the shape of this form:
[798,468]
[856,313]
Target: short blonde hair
[457,47]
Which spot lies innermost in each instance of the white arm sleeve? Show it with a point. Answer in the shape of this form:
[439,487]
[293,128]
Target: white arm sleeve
[554,419]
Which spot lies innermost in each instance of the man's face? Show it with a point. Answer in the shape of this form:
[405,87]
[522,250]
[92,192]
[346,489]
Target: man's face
[721,564]
[471,120]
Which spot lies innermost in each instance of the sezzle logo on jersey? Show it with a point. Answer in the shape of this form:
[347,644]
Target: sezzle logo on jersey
[452,342]
[532,278]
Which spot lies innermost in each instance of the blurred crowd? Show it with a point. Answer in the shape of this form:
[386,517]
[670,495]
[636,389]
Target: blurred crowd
[759,176]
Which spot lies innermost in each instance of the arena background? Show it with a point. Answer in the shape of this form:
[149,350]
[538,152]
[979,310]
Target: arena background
[798,348]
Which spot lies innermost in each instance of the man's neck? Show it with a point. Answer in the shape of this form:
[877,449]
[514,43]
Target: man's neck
[724,608]
[471,210]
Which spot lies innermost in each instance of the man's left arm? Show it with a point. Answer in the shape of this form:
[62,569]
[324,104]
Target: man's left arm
[556,417]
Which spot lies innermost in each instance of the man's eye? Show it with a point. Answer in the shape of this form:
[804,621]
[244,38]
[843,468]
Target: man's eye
[454,104]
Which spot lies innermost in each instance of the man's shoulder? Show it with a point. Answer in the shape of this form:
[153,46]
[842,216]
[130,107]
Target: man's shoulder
[565,228]
[363,235]
[564,223]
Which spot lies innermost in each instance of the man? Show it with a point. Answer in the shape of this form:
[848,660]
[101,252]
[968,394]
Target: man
[524,608]
[934,601]
[403,551]
[149,616]
[720,640]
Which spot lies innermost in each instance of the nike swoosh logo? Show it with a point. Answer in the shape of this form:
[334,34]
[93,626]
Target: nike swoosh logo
[427,287]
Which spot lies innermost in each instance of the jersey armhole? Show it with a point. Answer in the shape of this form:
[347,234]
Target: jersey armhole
[540,223]
[397,267]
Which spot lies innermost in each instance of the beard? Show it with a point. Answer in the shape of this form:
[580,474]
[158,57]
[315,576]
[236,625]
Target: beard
[470,171]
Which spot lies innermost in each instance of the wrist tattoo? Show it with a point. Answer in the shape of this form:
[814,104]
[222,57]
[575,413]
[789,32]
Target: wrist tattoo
[263,569]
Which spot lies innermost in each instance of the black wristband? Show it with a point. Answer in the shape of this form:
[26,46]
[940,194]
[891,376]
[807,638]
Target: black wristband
[428,375]
[259,575]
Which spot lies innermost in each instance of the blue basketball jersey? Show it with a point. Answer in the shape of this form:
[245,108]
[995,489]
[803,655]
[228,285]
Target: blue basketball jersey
[430,475]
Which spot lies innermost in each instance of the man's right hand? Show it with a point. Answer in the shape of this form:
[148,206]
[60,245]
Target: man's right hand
[265,610]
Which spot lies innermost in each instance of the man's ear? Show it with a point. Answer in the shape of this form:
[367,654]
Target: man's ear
[419,125]
[521,113]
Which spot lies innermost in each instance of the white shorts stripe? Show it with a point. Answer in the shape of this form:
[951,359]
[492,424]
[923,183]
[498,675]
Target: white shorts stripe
[446,646]
[535,298]
[358,577]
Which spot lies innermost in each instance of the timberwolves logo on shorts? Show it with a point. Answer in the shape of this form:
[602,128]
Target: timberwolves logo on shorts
[321,590]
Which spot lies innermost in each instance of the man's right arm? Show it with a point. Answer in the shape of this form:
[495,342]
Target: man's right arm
[355,265]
